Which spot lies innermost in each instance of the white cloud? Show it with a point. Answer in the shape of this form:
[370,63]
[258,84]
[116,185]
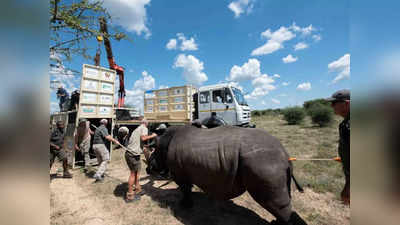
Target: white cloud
[303,30]
[185,44]
[342,65]
[281,35]
[262,86]
[189,45]
[248,71]
[276,76]
[130,14]
[276,101]
[300,46]
[171,44]
[289,59]
[61,76]
[262,102]
[317,37]
[134,96]
[304,86]
[268,48]
[240,6]
[192,69]
[263,80]
[282,95]
[285,83]
[275,41]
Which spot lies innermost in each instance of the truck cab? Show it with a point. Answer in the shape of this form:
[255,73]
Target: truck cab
[226,101]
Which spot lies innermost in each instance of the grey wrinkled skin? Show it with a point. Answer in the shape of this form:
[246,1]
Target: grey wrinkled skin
[226,161]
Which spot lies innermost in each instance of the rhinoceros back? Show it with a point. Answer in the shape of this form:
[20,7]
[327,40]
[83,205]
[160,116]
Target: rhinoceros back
[208,158]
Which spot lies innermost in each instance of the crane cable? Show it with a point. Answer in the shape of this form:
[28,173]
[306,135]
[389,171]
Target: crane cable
[98,51]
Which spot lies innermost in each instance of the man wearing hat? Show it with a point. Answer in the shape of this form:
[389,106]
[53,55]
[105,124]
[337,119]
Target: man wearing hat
[56,148]
[82,140]
[63,96]
[340,102]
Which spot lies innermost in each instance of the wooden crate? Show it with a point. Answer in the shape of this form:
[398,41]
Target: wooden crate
[97,92]
[175,103]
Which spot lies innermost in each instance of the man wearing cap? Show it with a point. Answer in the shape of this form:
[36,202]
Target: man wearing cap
[132,157]
[56,148]
[102,154]
[62,95]
[340,102]
[82,140]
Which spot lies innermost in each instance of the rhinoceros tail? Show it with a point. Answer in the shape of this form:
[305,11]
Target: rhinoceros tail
[298,186]
[288,181]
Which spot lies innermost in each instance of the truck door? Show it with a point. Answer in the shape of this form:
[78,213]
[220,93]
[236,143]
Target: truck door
[204,105]
[223,105]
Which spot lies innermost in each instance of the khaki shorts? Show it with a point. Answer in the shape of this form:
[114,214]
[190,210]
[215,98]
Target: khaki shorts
[133,162]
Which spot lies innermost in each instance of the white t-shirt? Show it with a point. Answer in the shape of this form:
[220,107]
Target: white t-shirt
[134,144]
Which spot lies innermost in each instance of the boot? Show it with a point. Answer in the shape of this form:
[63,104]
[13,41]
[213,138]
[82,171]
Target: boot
[67,174]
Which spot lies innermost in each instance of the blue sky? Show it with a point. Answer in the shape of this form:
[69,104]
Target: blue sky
[281,53]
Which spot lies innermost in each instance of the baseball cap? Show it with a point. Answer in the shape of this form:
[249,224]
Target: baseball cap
[161,127]
[82,120]
[340,95]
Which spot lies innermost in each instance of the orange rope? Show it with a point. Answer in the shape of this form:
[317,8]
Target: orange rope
[338,159]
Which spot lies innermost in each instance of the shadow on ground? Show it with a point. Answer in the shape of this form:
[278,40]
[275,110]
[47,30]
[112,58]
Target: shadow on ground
[205,210]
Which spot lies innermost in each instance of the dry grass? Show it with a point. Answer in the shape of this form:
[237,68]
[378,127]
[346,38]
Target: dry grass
[307,141]
[80,201]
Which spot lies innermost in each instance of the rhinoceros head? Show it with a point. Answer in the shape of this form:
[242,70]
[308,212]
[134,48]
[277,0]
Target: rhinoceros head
[158,160]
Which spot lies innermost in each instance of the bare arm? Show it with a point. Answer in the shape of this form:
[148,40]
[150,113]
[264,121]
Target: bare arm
[54,146]
[147,137]
[108,137]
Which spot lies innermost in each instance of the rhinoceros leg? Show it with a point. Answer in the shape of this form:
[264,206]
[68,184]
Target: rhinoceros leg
[268,185]
[187,201]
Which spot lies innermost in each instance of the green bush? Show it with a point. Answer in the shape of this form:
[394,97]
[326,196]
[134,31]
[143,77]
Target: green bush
[294,115]
[255,113]
[321,114]
[309,104]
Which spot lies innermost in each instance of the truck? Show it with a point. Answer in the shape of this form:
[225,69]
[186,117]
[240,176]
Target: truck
[187,103]
[178,105]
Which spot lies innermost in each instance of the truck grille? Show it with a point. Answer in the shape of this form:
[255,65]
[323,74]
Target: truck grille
[246,115]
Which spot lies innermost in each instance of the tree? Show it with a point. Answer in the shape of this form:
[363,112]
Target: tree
[72,25]
[294,115]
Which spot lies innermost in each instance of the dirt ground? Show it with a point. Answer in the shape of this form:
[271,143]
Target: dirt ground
[81,201]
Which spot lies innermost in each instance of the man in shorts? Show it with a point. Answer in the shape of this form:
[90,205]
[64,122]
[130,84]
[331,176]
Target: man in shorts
[132,156]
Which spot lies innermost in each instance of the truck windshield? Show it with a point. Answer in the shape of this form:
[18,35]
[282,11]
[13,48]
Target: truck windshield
[239,96]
